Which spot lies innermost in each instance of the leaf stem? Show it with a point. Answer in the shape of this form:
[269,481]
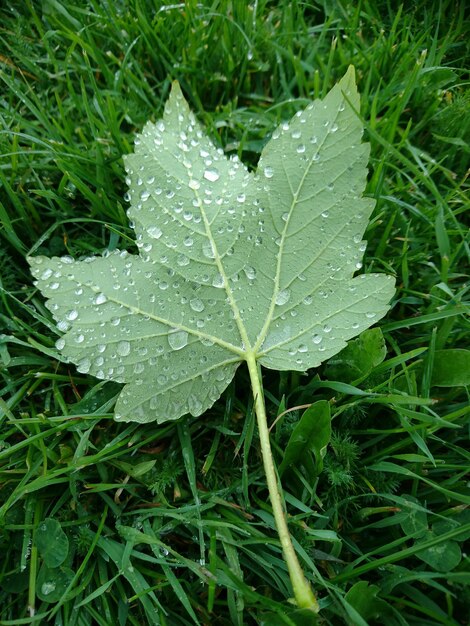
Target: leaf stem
[303,593]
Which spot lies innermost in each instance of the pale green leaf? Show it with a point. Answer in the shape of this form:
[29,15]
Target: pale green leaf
[231,263]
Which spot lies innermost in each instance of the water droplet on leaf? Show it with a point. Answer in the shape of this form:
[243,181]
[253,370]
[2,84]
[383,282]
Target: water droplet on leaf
[100,299]
[283,297]
[48,587]
[123,348]
[83,366]
[154,232]
[211,174]
[250,272]
[218,281]
[196,305]
[178,339]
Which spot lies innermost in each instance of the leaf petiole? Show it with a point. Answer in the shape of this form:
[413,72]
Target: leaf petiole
[304,596]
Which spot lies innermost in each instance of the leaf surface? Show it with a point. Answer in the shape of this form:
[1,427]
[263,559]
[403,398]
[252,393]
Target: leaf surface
[231,263]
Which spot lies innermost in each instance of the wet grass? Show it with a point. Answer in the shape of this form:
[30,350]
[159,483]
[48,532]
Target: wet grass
[171,524]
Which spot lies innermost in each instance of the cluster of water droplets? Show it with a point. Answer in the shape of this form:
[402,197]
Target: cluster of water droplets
[190,205]
[112,330]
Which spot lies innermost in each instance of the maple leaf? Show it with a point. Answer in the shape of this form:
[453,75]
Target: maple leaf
[233,266]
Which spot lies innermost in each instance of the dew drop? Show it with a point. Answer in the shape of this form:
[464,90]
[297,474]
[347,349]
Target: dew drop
[79,338]
[196,305]
[302,348]
[317,339]
[83,366]
[268,172]
[301,148]
[123,348]
[283,297]
[194,405]
[46,274]
[154,232]
[296,134]
[178,339]
[144,195]
[208,250]
[211,174]
[194,184]
[241,198]
[182,260]
[100,299]
[71,315]
[48,587]
[60,344]
[207,342]
[218,281]
[250,272]
[326,328]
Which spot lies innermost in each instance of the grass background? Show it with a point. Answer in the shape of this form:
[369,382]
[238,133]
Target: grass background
[171,524]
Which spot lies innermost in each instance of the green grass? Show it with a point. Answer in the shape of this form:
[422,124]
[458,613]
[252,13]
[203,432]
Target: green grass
[171,524]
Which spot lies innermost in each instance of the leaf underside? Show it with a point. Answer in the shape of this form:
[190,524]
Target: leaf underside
[231,263]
